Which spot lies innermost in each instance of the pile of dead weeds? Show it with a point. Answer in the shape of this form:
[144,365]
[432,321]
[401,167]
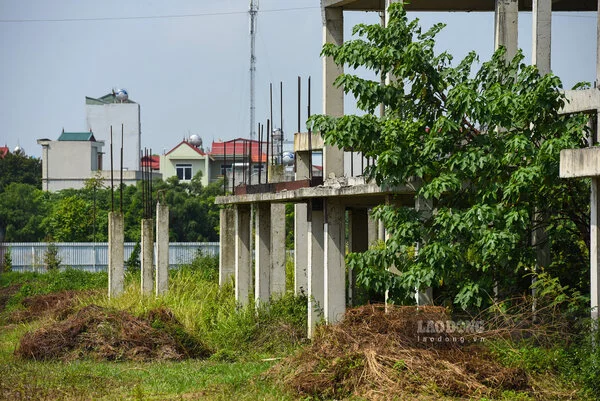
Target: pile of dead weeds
[99,333]
[381,355]
[56,305]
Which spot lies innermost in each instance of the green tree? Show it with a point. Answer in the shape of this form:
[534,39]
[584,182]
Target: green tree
[22,208]
[482,145]
[70,220]
[16,167]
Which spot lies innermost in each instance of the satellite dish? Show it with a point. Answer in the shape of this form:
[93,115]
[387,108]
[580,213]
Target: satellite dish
[121,95]
[195,140]
[288,158]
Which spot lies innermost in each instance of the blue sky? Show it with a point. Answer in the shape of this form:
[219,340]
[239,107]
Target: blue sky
[188,69]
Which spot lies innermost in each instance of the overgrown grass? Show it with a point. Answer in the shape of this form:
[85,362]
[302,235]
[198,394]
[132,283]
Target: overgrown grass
[245,341]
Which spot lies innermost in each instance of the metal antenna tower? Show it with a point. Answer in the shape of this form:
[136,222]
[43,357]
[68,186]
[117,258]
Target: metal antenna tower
[253,14]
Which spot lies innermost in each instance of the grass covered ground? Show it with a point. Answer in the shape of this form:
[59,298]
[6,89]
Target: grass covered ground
[252,353]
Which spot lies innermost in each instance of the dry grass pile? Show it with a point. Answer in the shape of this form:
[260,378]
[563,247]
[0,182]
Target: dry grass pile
[103,334]
[56,305]
[381,355]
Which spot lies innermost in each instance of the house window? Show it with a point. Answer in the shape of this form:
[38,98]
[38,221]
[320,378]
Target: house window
[225,168]
[184,171]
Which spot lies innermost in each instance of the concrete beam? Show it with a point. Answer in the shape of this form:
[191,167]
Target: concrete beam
[580,162]
[162,248]
[333,97]
[507,26]
[315,269]
[300,248]
[335,267]
[458,5]
[243,260]
[581,101]
[277,281]
[262,253]
[116,254]
[367,192]
[542,35]
[301,142]
[226,246]
[147,255]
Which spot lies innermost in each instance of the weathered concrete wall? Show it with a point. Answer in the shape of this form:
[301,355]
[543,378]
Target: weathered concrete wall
[227,246]
[580,162]
[147,255]
[162,248]
[116,262]
[243,251]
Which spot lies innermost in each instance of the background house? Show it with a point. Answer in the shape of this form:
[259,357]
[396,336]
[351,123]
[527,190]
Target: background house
[185,161]
[113,110]
[69,161]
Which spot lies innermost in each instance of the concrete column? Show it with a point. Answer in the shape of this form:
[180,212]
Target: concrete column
[372,229]
[315,271]
[226,246]
[335,268]
[359,242]
[381,231]
[595,248]
[302,165]
[147,255]
[333,97]
[542,35]
[277,281]
[116,254]
[300,249]
[262,253]
[507,26]
[243,260]
[162,248]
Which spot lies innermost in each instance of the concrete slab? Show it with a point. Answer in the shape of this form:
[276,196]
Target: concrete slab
[586,100]
[580,162]
[458,5]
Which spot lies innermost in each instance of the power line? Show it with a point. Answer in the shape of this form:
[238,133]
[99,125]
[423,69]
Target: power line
[151,17]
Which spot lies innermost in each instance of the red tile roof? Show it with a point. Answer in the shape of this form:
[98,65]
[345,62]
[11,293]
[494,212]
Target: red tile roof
[152,161]
[240,147]
[3,151]
[197,150]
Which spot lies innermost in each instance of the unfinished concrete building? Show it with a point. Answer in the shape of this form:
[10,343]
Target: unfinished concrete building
[321,205]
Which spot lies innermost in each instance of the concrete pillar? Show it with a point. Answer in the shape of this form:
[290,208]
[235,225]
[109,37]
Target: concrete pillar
[315,271]
[300,249]
[359,242]
[335,268]
[333,97]
[147,255]
[372,229]
[507,27]
[243,260]
[278,256]
[303,165]
[162,248]
[116,254]
[381,231]
[262,253]
[226,246]
[542,35]
[594,248]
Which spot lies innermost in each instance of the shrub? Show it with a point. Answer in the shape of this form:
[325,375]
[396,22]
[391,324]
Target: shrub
[51,259]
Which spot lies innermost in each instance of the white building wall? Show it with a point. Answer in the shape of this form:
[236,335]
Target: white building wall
[99,119]
[68,164]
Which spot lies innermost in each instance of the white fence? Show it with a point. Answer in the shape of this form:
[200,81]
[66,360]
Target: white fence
[29,256]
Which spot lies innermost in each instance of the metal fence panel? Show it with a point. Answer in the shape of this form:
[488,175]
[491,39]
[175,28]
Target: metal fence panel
[29,256]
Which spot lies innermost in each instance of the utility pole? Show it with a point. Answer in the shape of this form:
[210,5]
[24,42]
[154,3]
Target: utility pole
[253,14]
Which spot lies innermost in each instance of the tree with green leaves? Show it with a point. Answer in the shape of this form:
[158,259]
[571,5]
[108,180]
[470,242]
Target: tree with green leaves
[481,144]
[17,167]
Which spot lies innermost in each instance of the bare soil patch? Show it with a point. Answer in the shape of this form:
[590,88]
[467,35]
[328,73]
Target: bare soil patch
[103,334]
[379,356]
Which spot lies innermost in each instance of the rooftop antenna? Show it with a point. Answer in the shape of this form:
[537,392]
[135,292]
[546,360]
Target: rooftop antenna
[253,16]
